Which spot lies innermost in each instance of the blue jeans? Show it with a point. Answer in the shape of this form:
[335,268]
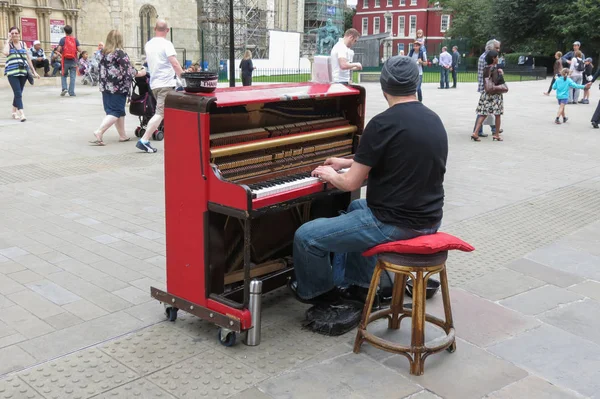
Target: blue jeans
[17,84]
[349,234]
[55,68]
[444,78]
[419,92]
[71,71]
[480,132]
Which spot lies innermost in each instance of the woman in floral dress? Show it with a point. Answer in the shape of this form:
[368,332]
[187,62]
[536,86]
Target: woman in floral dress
[490,104]
[116,75]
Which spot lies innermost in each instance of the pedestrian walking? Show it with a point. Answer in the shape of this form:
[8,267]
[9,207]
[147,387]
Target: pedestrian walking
[445,66]
[588,75]
[557,68]
[68,46]
[490,104]
[116,76]
[18,63]
[563,86]
[576,67]
[163,66]
[596,116]
[247,68]
[418,54]
[490,45]
[455,61]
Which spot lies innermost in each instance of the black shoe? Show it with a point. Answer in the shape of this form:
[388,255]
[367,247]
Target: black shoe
[565,119]
[482,135]
[330,297]
[595,125]
[355,293]
[453,87]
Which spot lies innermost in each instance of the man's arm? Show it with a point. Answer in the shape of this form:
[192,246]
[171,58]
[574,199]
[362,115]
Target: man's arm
[175,64]
[354,66]
[349,181]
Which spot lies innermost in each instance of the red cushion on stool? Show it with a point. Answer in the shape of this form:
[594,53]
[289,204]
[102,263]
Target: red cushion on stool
[428,244]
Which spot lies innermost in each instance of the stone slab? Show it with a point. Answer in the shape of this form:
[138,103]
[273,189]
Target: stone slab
[540,300]
[480,321]
[252,393]
[544,273]
[82,335]
[53,292]
[211,374]
[14,387]
[468,373]
[567,259]
[85,310]
[83,374]
[9,286]
[138,389]
[25,276]
[10,267]
[35,303]
[579,318]
[25,322]
[14,358]
[63,320]
[347,376]
[423,395]
[532,387]
[557,356]
[152,349]
[591,289]
[502,284]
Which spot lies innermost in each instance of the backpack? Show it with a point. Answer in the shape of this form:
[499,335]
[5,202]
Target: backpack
[580,65]
[69,50]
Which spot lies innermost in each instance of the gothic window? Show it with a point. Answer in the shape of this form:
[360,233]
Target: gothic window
[148,16]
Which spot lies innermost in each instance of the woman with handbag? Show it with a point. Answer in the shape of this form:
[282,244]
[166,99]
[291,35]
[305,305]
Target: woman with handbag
[116,76]
[491,101]
[18,69]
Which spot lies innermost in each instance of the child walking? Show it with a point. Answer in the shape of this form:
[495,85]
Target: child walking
[562,86]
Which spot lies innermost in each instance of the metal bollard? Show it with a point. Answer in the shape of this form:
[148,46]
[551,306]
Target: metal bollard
[255,308]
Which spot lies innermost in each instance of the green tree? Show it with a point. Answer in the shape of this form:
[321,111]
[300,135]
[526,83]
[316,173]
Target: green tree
[472,19]
[348,15]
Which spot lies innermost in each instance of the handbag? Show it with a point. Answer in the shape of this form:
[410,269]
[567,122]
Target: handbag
[491,88]
[29,73]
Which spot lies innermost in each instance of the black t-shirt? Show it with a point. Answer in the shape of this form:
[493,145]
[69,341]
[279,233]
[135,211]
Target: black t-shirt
[406,147]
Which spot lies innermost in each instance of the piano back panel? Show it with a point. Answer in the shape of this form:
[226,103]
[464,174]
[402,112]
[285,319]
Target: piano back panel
[185,206]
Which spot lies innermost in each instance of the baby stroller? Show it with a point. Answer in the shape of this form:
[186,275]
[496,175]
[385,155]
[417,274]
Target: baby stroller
[92,73]
[143,105]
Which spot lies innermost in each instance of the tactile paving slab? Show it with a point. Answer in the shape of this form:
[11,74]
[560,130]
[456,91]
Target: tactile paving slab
[210,374]
[281,349]
[153,348]
[77,376]
[509,233]
[15,388]
[138,389]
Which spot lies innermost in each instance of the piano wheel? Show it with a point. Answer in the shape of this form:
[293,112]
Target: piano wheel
[139,132]
[226,337]
[171,313]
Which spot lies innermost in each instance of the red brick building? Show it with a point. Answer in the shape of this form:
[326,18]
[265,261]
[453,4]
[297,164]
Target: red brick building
[402,19]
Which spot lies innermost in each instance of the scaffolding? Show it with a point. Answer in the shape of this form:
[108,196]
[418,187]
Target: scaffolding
[250,30]
[316,14]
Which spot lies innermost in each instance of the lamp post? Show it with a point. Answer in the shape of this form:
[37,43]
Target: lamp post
[231,47]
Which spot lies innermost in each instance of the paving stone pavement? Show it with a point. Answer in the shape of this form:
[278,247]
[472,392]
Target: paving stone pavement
[82,238]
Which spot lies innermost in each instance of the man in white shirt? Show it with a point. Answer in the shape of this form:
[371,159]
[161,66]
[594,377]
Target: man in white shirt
[341,57]
[162,66]
[445,65]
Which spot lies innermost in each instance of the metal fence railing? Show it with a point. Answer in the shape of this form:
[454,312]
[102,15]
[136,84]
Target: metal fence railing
[271,75]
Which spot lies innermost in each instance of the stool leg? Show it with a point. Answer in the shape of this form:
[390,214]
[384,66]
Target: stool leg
[367,309]
[418,324]
[397,301]
[447,305]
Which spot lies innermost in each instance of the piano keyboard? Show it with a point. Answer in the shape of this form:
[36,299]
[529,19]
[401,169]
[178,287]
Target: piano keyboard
[284,184]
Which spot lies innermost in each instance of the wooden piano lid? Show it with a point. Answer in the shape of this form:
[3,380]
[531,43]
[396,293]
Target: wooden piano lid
[230,96]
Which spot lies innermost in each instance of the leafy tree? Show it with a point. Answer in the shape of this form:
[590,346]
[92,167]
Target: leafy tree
[348,16]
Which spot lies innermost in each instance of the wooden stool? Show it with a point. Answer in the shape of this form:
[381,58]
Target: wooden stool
[418,267]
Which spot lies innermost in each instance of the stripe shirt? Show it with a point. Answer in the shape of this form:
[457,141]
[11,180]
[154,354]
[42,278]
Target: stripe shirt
[16,62]
[480,67]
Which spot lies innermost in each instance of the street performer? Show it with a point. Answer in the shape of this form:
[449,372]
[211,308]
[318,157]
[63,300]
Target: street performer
[403,152]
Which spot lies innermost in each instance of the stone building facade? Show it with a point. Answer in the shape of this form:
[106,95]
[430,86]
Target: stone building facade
[93,19]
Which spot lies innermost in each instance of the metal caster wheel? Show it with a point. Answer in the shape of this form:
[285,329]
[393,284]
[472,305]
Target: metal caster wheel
[137,131]
[171,313]
[226,337]
[158,135]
